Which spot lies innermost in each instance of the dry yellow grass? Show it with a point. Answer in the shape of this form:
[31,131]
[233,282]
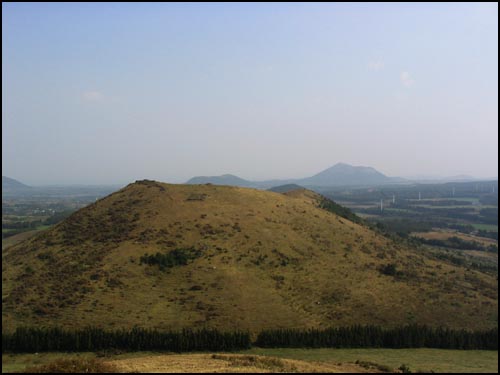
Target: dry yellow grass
[324,360]
[232,363]
[269,260]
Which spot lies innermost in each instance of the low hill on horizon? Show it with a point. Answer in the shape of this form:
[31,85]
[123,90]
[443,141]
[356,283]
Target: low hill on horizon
[226,179]
[191,256]
[10,184]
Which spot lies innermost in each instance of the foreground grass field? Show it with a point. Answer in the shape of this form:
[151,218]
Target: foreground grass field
[146,362]
[425,360]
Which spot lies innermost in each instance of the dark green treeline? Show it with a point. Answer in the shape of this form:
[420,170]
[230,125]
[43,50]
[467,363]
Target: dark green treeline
[94,339]
[412,336]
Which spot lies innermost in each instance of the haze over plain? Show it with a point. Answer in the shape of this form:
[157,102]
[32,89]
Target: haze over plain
[111,93]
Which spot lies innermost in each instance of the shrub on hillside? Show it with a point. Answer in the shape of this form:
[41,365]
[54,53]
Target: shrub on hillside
[177,257]
[389,269]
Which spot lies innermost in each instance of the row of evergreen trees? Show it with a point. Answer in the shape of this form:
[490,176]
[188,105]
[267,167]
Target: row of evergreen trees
[26,340]
[95,339]
[411,336]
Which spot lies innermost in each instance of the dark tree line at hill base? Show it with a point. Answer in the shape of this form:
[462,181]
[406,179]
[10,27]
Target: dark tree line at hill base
[411,336]
[28,340]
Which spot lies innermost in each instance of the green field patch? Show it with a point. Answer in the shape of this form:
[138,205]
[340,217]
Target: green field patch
[464,199]
[438,360]
[390,209]
[450,207]
[366,216]
[42,227]
[490,227]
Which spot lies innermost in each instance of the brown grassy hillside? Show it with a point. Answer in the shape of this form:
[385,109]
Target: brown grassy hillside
[259,260]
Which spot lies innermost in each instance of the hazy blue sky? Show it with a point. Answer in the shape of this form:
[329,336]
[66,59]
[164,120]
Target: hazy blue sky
[110,93]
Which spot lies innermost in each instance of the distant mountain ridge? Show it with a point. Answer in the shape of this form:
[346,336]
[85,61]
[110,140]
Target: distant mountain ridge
[9,184]
[337,175]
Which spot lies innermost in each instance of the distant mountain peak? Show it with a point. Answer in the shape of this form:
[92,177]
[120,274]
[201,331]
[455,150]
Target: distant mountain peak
[342,164]
[345,166]
[346,174]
